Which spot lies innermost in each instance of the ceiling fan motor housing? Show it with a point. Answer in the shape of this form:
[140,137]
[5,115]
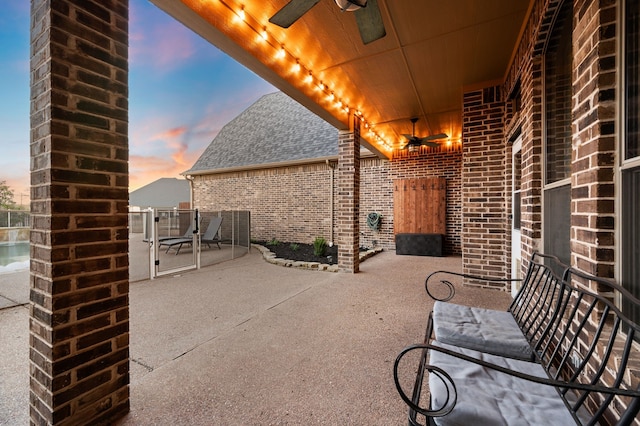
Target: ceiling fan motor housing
[350,5]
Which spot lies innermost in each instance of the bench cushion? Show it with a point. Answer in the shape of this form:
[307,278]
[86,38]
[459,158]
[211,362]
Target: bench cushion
[488,397]
[480,329]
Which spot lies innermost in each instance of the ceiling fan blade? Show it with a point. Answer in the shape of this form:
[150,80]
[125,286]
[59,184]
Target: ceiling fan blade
[291,12]
[434,137]
[408,136]
[370,23]
[431,144]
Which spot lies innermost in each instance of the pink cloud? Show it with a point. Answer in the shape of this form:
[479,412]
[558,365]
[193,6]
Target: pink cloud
[175,143]
[146,169]
[171,156]
[172,133]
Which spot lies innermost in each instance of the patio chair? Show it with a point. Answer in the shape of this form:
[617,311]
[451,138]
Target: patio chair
[211,235]
[188,233]
[169,242]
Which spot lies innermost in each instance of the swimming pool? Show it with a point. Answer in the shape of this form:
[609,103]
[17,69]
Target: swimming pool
[14,252]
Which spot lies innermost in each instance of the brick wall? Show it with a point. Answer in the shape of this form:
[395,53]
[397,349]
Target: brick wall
[526,73]
[485,192]
[531,196]
[347,199]
[593,111]
[594,137]
[293,203]
[437,162]
[376,196]
[268,194]
[79,317]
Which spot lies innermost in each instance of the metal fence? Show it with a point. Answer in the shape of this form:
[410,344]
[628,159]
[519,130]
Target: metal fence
[15,219]
[234,236]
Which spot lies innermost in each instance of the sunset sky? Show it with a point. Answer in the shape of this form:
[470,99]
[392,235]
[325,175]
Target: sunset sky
[182,90]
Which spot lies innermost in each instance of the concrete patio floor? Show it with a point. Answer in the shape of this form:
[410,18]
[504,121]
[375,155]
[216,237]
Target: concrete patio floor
[248,342]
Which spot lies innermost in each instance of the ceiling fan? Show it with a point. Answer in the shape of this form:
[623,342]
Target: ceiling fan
[367,15]
[415,141]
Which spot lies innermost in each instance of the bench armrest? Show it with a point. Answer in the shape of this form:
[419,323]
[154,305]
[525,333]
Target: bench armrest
[414,401]
[451,397]
[451,290]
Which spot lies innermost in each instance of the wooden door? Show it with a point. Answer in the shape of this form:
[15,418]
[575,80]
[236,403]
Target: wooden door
[419,206]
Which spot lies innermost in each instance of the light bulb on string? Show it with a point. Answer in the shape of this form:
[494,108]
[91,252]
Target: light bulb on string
[309,78]
[240,15]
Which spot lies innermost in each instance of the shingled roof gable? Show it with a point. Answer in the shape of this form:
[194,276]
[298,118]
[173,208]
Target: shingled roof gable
[275,129]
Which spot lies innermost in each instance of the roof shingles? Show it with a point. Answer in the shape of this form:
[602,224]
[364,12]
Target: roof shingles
[275,129]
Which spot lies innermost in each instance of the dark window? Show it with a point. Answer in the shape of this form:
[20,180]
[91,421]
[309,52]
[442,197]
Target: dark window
[557,97]
[631,238]
[631,177]
[557,228]
[557,103]
[632,79]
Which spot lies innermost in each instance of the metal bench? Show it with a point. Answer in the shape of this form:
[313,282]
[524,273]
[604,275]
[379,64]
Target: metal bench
[561,354]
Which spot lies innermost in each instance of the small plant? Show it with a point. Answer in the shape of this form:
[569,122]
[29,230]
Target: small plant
[273,242]
[319,246]
[294,246]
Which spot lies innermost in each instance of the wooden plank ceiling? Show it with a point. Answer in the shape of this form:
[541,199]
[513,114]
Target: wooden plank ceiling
[431,52]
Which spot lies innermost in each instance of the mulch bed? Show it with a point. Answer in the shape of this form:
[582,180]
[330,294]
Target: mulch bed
[303,252]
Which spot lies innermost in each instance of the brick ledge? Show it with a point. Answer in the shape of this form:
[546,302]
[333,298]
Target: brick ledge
[270,257]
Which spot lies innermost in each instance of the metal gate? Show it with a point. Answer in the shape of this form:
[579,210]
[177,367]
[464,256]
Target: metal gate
[174,241]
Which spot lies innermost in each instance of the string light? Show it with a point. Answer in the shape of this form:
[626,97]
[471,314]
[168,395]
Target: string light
[309,78]
[241,16]
[266,39]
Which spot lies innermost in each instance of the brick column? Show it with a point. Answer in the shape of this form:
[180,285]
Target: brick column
[485,224]
[348,199]
[79,321]
[532,158]
[594,137]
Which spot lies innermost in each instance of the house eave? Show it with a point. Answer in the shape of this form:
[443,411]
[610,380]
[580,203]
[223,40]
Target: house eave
[332,158]
[260,166]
